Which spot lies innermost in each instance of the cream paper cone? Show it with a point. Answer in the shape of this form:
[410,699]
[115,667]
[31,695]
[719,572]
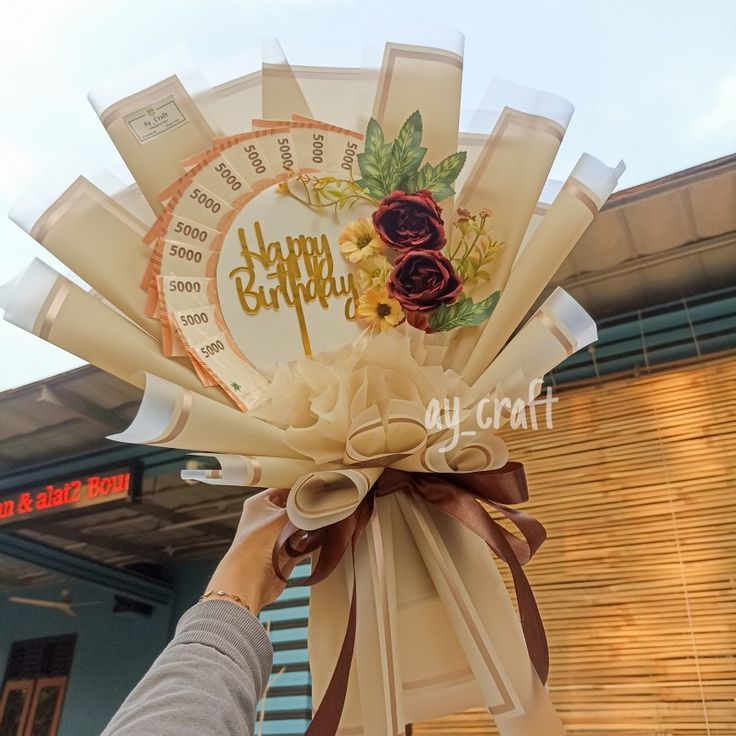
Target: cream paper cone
[549,193]
[510,172]
[153,122]
[249,471]
[558,329]
[373,439]
[172,416]
[127,194]
[463,344]
[574,208]
[236,92]
[507,178]
[282,95]
[82,215]
[409,79]
[50,306]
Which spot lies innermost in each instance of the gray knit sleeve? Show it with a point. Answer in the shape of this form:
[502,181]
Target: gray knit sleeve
[207,680]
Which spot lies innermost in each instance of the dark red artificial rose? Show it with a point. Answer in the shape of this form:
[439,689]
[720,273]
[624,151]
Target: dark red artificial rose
[409,221]
[423,280]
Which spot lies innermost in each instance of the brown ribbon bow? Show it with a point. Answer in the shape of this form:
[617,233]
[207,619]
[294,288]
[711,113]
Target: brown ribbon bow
[457,495]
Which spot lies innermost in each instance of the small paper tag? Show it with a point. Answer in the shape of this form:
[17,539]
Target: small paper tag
[152,121]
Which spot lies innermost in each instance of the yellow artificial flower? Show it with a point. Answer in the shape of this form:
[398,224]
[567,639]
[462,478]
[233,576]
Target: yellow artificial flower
[359,240]
[373,271]
[380,310]
[283,187]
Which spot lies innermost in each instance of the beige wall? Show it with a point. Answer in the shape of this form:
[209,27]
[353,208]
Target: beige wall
[636,484]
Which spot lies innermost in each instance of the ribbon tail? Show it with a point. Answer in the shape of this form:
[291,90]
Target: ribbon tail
[531,620]
[327,716]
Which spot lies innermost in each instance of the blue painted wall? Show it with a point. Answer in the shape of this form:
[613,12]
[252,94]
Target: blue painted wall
[112,652]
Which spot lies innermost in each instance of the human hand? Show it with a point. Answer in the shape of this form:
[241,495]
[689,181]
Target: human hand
[246,570]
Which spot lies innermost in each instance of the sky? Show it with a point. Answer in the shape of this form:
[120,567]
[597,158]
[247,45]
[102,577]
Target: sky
[653,82]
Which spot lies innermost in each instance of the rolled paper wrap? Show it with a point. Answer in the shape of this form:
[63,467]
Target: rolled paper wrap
[153,122]
[465,341]
[559,328]
[250,471]
[515,390]
[507,178]
[282,94]
[549,193]
[328,496]
[574,208]
[173,416]
[83,213]
[409,79]
[506,403]
[41,301]
[513,166]
[471,454]
[376,440]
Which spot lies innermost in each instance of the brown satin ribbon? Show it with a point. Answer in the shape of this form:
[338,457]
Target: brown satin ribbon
[457,495]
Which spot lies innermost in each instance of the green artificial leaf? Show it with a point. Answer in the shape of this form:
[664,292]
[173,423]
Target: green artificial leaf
[463,313]
[375,162]
[440,191]
[439,179]
[407,152]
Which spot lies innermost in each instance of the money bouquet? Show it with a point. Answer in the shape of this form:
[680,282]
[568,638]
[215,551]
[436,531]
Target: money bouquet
[319,282]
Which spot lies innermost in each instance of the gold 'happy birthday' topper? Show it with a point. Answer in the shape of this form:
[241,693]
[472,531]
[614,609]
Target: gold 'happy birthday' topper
[303,269]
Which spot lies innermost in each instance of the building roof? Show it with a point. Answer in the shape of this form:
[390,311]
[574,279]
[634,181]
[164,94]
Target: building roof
[657,242]
[67,414]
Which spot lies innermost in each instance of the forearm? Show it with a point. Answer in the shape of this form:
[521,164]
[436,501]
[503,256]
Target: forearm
[207,680]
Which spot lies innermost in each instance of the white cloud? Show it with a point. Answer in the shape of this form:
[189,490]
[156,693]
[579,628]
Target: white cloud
[720,117]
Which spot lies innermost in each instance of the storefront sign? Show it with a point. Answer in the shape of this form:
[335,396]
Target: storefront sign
[92,489]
